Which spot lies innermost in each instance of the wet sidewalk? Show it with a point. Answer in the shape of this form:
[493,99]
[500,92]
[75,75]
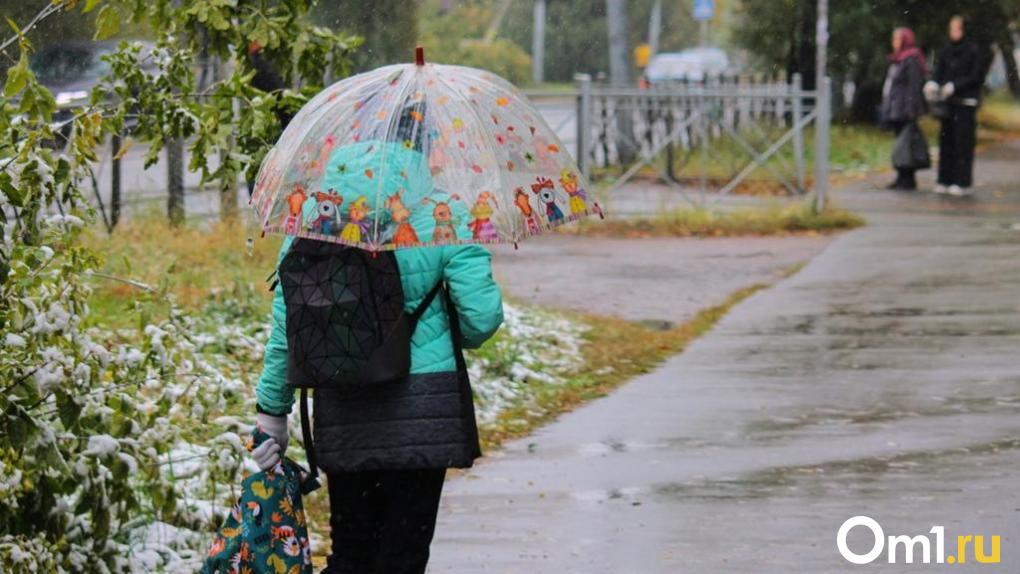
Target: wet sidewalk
[882,379]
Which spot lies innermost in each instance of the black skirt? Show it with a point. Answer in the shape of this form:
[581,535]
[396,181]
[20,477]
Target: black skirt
[425,421]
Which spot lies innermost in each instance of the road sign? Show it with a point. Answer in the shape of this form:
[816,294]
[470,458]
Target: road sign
[642,53]
[703,9]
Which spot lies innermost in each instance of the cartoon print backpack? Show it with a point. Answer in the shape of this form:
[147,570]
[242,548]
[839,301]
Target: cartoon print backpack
[346,323]
[266,531]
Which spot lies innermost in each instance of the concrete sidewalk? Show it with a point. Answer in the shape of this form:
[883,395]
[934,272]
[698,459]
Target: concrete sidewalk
[883,379]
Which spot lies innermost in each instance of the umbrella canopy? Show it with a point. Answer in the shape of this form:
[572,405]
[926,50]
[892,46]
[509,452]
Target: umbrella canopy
[416,155]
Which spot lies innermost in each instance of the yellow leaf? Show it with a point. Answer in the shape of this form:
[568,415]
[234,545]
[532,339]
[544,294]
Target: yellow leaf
[124,147]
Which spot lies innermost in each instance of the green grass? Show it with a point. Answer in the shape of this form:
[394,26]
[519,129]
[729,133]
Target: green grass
[190,263]
[705,222]
[999,116]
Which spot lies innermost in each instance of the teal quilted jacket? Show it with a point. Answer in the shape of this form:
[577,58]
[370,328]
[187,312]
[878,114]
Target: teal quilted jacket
[467,271]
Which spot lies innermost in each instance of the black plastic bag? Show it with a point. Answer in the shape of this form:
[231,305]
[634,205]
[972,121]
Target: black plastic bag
[911,149]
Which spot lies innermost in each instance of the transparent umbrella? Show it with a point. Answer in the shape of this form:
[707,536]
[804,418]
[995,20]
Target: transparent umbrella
[416,155]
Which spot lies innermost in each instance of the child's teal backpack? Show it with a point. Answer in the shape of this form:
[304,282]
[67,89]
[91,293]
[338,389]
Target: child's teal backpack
[266,532]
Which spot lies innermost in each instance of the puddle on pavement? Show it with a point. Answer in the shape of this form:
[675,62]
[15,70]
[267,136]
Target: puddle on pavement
[778,428]
[857,475]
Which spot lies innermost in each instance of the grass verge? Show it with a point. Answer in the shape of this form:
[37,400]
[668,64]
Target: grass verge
[704,222]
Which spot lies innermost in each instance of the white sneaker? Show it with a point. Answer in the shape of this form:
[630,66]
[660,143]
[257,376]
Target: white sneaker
[958,191]
[939,188]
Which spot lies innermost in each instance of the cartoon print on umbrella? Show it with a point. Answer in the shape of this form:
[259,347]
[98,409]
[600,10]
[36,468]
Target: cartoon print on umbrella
[295,201]
[405,233]
[327,212]
[569,181]
[546,191]
[482,227]
[445,231]
[357,213]
[523,203]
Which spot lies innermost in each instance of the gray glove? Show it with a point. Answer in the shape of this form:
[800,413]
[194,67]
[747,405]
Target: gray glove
[268,454]
[931,91]
[948,89]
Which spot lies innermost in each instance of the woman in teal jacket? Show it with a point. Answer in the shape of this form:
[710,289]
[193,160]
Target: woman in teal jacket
[385,449]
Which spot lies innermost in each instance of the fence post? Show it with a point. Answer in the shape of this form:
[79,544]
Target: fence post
[115,180]
[822,121]
[798,134]
[175,181]
[583,123]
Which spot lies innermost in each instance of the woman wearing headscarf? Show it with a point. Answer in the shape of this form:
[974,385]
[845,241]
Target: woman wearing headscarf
[957,84]
[903,100]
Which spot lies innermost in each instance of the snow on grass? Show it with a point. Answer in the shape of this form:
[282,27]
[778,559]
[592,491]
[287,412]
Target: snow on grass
[533,347]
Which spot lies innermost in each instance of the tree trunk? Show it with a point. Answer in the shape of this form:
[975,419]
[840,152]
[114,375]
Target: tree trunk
[805,55]
[175,181]
[1008,46]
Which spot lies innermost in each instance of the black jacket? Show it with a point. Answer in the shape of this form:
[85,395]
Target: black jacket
[427,421]
[903,94]
[960,63]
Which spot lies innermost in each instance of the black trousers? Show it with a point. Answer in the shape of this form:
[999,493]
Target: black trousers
[956,145]
[382,521]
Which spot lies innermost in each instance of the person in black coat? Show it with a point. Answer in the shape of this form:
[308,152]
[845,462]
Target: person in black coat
[957,86]
[903,100]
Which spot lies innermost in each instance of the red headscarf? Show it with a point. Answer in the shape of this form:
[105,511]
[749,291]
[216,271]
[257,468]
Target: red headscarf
[908,48]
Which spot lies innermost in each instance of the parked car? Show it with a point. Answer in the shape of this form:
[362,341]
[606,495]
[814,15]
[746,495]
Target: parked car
[690,65]
[70,70]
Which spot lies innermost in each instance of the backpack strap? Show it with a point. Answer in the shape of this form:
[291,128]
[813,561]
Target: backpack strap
[425,304]
[306,436]
[455,332]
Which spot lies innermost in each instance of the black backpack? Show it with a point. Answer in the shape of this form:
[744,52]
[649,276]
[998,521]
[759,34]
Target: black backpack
[346,323]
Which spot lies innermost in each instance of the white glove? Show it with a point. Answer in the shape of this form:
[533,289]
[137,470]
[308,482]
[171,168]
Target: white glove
[931,91]
[947,90]
[269,454]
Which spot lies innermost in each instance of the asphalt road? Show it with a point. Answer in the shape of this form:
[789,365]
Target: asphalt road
[882,379]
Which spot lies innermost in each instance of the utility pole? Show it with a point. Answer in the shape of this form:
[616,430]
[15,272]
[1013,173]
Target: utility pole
[616,15]
[655,28]
[824,105]
[619,73]
[538,44]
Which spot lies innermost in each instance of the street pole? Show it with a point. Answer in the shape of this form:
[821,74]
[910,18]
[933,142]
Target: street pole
[655,27]
[703,33]
[619,76]
[538,44]
[823,102]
